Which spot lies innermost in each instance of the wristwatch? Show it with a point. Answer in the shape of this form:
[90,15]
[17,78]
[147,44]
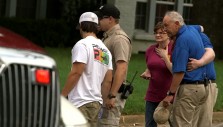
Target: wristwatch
[169,93]
[110,96]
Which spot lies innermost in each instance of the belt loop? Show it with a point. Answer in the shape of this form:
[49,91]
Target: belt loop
[210,81]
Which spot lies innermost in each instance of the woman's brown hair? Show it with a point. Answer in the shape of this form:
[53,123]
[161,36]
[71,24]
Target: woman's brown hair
[158,26]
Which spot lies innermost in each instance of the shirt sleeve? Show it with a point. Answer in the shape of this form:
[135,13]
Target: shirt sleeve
[121,49]
[206,41]
[110,67]
[79,53]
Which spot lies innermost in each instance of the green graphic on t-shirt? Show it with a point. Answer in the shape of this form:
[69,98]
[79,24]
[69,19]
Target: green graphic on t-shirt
[101,55]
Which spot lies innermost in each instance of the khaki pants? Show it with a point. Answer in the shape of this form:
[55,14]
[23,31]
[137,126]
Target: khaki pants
[206,112]
[90,112]
[188,102]
[111,118]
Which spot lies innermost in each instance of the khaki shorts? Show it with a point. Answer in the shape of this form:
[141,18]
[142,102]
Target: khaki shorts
[111,118]
[90,111]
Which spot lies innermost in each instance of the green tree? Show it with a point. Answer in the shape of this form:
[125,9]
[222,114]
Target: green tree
[72,9]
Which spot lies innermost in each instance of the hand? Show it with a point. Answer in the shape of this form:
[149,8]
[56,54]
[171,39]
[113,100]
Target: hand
[163,53]
[193,64]
[110,103]
[145,75]
[167,100]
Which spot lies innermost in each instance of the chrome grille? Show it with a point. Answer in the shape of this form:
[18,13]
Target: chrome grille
[24,104]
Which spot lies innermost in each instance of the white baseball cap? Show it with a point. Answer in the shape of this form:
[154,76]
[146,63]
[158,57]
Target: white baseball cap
[89,16]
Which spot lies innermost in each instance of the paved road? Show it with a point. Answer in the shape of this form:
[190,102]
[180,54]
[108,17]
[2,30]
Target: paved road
[139,120]
[142,125]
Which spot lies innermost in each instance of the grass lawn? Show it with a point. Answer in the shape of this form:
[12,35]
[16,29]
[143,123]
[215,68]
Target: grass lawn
[135,103]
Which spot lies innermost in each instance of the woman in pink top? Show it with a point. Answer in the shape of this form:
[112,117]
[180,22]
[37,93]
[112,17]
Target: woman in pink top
[158,72]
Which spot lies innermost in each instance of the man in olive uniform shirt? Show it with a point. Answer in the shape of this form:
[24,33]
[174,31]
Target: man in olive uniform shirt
[119,45]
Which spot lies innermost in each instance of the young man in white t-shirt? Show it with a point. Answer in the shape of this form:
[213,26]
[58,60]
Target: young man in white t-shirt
[91,70]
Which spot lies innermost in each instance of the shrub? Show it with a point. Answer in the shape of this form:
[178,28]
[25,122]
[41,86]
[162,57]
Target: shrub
[47,32]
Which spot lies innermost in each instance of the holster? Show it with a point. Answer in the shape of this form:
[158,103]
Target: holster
[121,89]
[206,82]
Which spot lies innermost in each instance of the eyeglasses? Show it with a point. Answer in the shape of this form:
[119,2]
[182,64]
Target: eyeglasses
[104,17]
[155,33]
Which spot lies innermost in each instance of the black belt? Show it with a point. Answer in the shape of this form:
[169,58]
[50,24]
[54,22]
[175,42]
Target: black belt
[192,82]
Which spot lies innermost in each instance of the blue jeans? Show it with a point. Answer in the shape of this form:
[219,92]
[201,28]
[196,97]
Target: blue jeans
[150,108]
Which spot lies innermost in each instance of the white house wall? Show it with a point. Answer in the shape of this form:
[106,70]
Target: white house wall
[127,19]
[127,22]
[141,39]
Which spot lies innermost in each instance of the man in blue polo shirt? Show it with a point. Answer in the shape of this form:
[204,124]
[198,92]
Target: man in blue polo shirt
[206,111]
[192,92]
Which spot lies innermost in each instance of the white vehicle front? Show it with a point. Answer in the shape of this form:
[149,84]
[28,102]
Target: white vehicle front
[30,94]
